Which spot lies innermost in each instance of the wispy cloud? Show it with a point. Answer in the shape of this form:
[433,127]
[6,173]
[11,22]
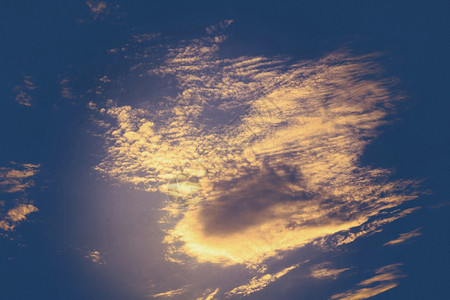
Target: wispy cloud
[209,295]
[259,155]
[322,271]
[404,237]
[382,282]
[23,91]
[169,294]
[259,282]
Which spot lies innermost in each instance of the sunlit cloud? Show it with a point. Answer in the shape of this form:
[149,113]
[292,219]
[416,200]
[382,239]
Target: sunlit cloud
[95,256]
[258,155]
[15,180]
[66,90]
[322,271]
[404,237]
[384,280]
[16,215]
[97,8]
[208,295]
[258,283]
[23,91]
[169,294]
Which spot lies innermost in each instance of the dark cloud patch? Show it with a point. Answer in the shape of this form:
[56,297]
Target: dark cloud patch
[249,200]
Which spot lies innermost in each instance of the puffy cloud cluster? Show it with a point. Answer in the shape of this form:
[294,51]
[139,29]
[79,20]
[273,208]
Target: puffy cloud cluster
[23,91]
[259,155]
[14,180]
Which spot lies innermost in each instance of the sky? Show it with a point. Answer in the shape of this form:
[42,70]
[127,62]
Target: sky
[224,150]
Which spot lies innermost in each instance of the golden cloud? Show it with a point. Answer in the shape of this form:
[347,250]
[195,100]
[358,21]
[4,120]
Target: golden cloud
[404,237]
[16,179]
[259,155]
[321,271]
[385,281]
[258,283]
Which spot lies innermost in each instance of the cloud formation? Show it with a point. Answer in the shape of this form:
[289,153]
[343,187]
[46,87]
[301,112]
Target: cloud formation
[321,271]
[169,294]
[258,283]
[384,280]
[404,237]
[209,295]
[259,155]
[97,8]
[16,180]
[95,256]
[23,91]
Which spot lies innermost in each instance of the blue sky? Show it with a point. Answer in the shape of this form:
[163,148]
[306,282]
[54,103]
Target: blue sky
[224,150]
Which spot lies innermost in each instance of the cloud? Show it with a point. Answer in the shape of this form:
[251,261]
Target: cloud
[404,237]
[258,283]
[20,212]
[322,272]
[66,90]
[209,295]
[259,155]
[385,281]
[16,179]
[169,294]
[95,256]
[16,215]
[23,91]
[97,8]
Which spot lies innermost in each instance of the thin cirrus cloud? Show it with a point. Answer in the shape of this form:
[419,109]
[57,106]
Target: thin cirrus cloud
[258,156]
[385,280]
[322,271]
[404,237]
[169,294]
[209,294]
[15,180]
[258,283]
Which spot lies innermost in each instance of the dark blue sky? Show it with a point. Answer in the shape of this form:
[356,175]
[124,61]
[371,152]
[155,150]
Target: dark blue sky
[45,42]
